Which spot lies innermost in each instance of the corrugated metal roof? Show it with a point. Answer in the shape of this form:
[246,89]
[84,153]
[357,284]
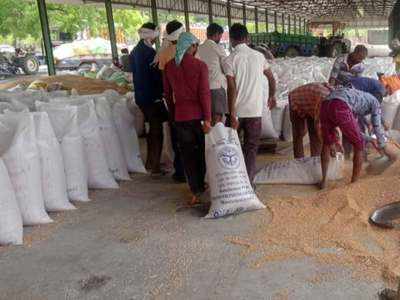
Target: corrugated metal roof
[308,9]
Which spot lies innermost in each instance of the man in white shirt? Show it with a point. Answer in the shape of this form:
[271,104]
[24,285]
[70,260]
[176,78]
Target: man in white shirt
[213,55]
[245,69]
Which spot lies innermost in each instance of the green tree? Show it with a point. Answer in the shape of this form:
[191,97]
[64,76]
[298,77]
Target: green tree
[19,20]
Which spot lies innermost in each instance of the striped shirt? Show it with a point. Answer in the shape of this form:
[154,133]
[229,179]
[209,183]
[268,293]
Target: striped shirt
[305,100]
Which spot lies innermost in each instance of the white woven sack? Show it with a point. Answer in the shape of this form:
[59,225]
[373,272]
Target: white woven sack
[108,132]
[137,113]
[299,171]
[287,125]
[390,107]
[267,128]
[277,114]
[54,184]
[99,174]
[10,216]
[5,106]
[65,123]
[125,122]
[21,156]
[231,191]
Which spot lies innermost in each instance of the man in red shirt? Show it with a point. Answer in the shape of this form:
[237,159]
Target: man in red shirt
[186,78]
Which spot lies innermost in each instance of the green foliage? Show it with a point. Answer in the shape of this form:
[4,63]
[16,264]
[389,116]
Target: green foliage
[19,20]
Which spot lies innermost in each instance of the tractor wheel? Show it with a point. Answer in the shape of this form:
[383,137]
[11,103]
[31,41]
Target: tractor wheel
[30,65]
[292,52]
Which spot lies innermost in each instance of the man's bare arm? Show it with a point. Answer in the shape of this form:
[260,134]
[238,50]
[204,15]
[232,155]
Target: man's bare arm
[272,88]
[232,93]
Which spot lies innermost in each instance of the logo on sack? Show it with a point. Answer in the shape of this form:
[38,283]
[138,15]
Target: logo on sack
[228,157]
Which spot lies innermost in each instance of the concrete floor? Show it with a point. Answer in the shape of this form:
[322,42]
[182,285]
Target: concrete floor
[139,243]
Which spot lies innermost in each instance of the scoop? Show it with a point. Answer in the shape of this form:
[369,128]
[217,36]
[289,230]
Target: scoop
[384,216]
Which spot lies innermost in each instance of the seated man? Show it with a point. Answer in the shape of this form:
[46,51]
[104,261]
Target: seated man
[340,110]
[304,104]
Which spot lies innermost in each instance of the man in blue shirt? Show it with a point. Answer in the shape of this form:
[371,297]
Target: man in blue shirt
[369,85]
[375,88]
[341,109]
[147,80]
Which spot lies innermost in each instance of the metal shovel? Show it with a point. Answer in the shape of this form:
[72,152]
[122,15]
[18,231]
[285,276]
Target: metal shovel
[384,216]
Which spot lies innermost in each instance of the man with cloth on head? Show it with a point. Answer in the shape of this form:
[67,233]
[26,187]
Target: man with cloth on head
[147,80]
[187,93]
[167,52]
[348,66]
[304,105]
[213,55]
[340,109]
[246,70]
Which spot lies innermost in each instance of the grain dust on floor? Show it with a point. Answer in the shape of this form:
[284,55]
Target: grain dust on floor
[332,227]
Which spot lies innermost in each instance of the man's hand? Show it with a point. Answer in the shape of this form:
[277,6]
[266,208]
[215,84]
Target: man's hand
[386,126]
[234,122]
[337,147]
[271,102]
[390,153]
[206,127]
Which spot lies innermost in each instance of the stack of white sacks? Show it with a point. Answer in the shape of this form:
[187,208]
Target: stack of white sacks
[295,72]
[54,147]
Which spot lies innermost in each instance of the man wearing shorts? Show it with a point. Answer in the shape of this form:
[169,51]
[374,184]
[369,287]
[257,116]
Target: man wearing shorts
[340,110]
[213,55]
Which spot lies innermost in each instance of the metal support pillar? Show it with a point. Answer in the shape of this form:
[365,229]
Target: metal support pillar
[44,22]
[186,11]
[275,21]
[289,25]
[283,23]
[295,25]
[244,14]
[266,21]
[228,13]
[305,27]
[154,17]
[154,14]
[256,19]
[111,29]
[210,11]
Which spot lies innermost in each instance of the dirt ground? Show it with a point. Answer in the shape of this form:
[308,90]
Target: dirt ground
[141,242]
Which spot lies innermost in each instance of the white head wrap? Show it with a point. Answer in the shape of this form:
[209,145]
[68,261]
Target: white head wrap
[173,36]
[167,41]
[148,34]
